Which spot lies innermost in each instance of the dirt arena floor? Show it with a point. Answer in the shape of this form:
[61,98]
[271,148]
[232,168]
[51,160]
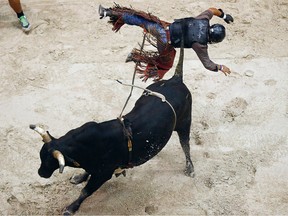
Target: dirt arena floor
[62,74]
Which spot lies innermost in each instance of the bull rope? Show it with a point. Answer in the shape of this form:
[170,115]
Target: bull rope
[157,94]
[133,78]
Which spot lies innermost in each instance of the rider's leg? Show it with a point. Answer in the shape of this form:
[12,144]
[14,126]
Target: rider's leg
[151,27]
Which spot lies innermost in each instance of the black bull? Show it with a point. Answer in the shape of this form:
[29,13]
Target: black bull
[102,148]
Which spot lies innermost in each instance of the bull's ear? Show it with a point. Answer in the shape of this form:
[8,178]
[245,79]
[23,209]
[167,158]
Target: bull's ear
[59,156]
[45,136]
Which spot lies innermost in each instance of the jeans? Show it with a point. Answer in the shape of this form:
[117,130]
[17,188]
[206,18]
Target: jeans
[152,27]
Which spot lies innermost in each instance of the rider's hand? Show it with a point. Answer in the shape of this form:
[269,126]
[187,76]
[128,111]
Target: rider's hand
[227,17]
[224,69]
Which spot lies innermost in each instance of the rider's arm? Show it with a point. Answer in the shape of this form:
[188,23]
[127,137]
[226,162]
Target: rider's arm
[208,14]
[202,53]
[216,12]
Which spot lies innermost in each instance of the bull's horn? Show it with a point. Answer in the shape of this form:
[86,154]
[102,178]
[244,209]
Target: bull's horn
[45,136]
[59,156]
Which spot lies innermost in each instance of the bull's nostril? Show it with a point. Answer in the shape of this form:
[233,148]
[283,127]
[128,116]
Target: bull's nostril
[43,174]
[39,173]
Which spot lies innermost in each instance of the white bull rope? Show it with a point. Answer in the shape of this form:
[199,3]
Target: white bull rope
[152,93]
[133,78]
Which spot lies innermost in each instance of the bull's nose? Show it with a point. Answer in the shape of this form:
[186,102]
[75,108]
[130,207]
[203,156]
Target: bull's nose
[43,174]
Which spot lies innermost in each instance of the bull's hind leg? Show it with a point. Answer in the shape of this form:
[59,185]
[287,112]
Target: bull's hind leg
[184,137]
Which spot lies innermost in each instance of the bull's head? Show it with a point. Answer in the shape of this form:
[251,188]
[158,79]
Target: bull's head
[51,159]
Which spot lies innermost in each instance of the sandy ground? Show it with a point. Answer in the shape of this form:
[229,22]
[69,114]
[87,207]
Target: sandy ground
[63,74]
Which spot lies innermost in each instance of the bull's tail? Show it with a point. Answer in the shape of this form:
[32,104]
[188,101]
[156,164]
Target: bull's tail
[179,67]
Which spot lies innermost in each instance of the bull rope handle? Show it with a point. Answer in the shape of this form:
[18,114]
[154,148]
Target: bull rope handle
[133,78]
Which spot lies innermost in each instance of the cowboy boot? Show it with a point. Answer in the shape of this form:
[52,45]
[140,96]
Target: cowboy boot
[129,57]
[104,12]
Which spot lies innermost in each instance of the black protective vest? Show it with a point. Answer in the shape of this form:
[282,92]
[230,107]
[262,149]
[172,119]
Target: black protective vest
[193,30]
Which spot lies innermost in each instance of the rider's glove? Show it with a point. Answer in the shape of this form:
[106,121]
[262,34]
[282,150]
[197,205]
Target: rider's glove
[227,17]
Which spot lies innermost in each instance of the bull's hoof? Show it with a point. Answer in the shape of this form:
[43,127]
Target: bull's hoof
[77,179]
[192,175]
[122,173]
[67,212]
[189,171]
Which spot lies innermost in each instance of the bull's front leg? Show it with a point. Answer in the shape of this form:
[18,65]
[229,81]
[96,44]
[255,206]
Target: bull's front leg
[95,182]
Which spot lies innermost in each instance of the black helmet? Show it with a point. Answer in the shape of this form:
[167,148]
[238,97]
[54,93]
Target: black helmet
[216,33]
